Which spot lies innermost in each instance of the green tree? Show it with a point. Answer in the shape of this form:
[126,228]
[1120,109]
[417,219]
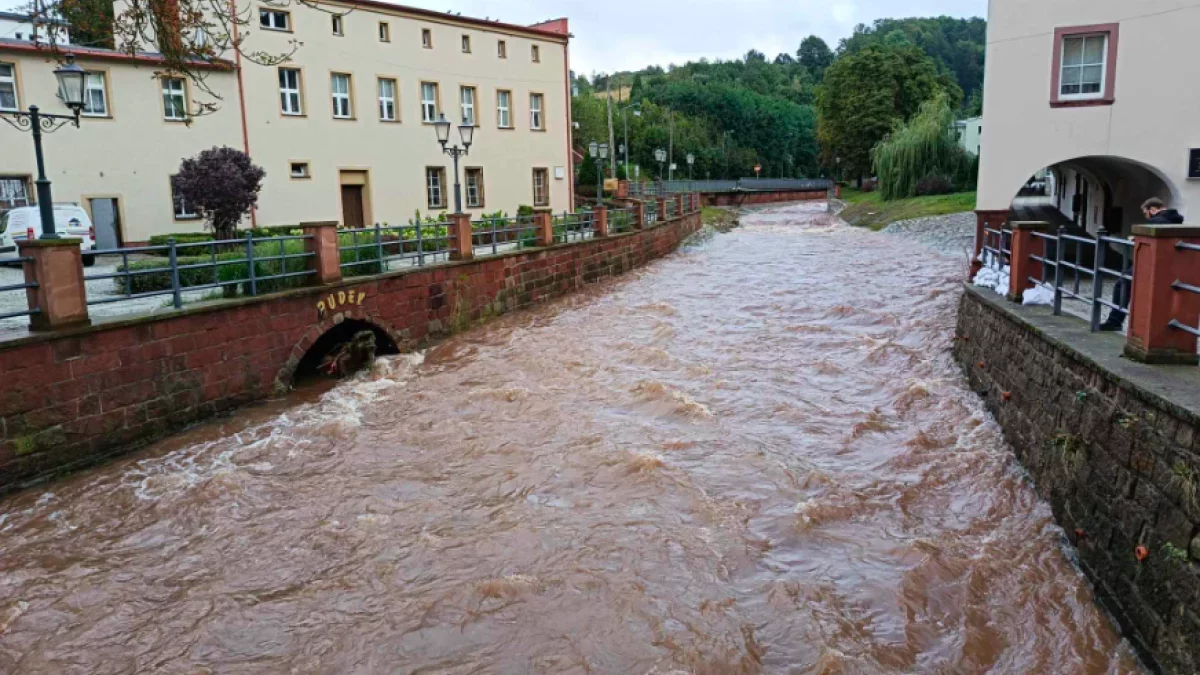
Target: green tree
[866,94]
[815,55]
[923,149]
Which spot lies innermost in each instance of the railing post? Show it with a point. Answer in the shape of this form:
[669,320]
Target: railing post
[600,222]
[639,215]
[543,225]
[1154,303]
[1023,266]
[662,209]
[680,200]
[173,257]
[56,266]
[460,230]
[1098,278]
[322,243]
[623,189]
[250,263]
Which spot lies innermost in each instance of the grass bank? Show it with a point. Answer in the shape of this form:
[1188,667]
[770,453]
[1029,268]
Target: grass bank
[867,209]
[720,218]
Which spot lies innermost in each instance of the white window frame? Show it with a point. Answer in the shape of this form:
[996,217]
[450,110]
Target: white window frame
[343,106]
[427,38]
[11,81]
[339,25]
[474,201]
[180,207]
[435,185]
[385,32]
[466,44]
[305,172]
[545,187]
[289,94]
[273,16]
[467,108]
[504,109]
[537,116]
[1103,64]
[90,85]
[169,91]
[387,103]
[502,49]
[535,53]
[429,106]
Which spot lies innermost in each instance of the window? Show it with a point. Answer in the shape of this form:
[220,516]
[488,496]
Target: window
[429,102]
[8,87]
[174,95]
[340,84]
[474,188]
[541,187]
[466,44]
[14,192]
[300,170]
[273,19]
[426,38]
[289,91]
[467,100]
[337,24]
[535,52]
[385,33]
[435,180]
[1083,64]
[183,210]
[95,96]
[535,112]
[502,49]
[504,109]
[387,99]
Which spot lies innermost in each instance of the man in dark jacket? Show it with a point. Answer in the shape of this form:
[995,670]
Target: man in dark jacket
[1156,213]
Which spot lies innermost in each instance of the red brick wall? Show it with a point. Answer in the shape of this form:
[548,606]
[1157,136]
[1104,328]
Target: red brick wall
[743,198]
[72,398]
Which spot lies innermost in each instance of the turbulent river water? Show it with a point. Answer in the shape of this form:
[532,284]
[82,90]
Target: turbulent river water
[754,456]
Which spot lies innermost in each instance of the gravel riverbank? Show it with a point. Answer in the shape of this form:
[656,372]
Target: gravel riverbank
[952,234]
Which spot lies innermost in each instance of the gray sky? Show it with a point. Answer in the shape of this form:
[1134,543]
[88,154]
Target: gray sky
[612,35]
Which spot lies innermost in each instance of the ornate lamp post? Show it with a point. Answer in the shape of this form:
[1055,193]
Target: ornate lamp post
[70,89]
[599,154]
[691,159]
[466,132]
[661,156]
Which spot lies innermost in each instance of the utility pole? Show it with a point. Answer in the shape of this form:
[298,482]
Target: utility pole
[671,146]
[612,139]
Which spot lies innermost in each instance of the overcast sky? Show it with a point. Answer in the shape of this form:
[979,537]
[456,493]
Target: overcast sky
[613,35]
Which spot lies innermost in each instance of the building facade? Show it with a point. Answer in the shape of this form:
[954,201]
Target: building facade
[343,128]
[969,133]
[1084,89]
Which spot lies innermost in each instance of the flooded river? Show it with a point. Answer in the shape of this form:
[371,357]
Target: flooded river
[754,456]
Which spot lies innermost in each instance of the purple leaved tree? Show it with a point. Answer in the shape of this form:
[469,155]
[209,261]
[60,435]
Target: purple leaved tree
[222,185]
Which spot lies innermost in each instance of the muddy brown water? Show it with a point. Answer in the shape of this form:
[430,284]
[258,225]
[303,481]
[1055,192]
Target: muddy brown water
[754,456]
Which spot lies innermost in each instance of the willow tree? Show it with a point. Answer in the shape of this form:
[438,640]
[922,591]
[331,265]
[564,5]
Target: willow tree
[923,149]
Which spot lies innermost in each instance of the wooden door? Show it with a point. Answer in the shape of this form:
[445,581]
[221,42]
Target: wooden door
[352,207]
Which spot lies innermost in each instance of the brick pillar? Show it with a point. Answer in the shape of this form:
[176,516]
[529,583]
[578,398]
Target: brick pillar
[679,202]
[985,219]
[543,224]
[462,247]
[662,209]
[837,191]
[639,215]
[1025,244]
[56,266]
[600,221]
[327,259]
[1157,264]
[622,189]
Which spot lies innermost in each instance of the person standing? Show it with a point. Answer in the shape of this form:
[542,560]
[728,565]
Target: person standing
[1156,213]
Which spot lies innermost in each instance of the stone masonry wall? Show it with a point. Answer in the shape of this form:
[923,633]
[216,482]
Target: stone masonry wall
[750,198]
[1118,464]
[71,398]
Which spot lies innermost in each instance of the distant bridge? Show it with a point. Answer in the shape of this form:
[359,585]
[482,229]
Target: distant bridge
[734,192]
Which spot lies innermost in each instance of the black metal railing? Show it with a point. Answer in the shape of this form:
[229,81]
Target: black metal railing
[650,209]
[1185,288]
[672,209]
[492,236]
[569,227]
[997,247]
[379,249]
[1066,270]
[256,265]
[622,220]
[648,189]
[20,288]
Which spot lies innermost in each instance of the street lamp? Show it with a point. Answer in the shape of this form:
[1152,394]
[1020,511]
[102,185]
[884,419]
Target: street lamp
[599,153]
[466,133]
[660,156]
[626,147]
[70,89]
[691,159]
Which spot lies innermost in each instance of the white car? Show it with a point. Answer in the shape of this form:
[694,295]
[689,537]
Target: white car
[70,220]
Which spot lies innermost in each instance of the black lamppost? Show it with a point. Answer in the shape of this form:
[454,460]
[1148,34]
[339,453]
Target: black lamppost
[661,156]
[626,147]
[467,133]
[70,90]
[691,161]
[599,153]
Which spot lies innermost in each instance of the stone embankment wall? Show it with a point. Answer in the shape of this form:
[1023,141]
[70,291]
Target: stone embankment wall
[1113,446]
[751,198]
[73,397]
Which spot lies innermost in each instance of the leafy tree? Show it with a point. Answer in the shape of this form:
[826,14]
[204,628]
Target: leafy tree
[866,94]
[91,22]
[815,55]
[924,150]
[222,184]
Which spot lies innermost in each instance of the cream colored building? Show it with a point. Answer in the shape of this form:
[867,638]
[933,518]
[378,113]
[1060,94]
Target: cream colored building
[1098,92]
[343,128]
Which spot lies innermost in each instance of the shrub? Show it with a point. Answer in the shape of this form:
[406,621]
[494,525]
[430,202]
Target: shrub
[934,185]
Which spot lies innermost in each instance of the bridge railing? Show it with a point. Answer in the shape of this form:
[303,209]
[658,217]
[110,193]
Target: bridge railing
[652,189]
[13,306]
[492,236]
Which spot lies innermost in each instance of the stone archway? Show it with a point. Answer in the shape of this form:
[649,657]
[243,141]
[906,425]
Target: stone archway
[327,334]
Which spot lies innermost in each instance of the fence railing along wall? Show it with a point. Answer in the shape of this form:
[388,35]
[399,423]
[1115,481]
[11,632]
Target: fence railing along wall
[1152,279]
[650,189]
[322,253]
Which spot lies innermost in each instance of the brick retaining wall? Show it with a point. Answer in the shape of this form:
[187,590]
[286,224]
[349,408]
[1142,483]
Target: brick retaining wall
[1113,446]
[748,198]
[73,397]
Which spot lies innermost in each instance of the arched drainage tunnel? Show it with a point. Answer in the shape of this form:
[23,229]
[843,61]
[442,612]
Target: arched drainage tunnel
[340,337]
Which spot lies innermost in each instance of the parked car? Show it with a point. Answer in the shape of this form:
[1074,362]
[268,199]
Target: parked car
[70,220]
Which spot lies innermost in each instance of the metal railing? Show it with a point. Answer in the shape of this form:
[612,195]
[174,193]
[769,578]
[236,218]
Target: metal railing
[1185,288]
[640,189]
[21,288]
[622,220]
[569,227]
[249,262]
[672,209]
[1069,255]
[650,209]
[503,234]
[997,247]
[374,250]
